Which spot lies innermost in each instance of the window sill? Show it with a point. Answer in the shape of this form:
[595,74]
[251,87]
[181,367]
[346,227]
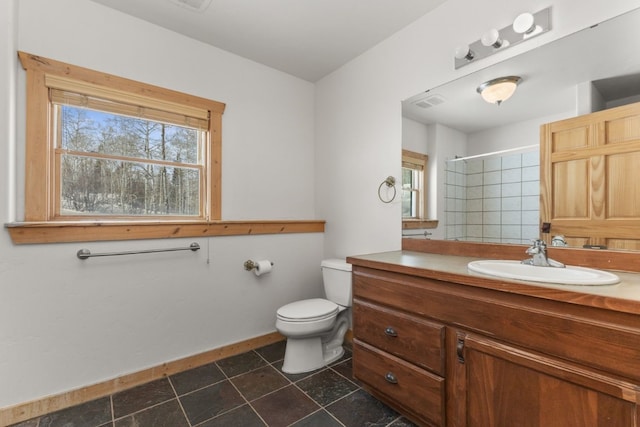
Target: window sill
[412,224]
[59,232]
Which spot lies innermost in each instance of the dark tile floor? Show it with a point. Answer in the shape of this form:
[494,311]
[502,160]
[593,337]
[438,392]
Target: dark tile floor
[246,390]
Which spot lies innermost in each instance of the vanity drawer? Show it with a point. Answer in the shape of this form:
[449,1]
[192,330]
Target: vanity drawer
[405,385]
[409,337]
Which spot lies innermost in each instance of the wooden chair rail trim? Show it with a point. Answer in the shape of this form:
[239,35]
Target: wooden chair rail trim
[58,232]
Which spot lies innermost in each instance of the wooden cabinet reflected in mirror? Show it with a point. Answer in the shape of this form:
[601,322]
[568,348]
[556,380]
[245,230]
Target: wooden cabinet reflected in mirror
[590,179]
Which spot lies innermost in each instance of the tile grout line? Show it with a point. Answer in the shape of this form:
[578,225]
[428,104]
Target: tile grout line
[228,378]
[294,383]
[175,392]
[243,396]
[113,412]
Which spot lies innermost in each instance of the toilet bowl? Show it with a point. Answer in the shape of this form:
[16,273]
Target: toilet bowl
[315,328]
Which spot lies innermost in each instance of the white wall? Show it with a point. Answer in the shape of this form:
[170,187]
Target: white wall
[514,135]
[66,323]
[415,136]
[358,114]
[447,144]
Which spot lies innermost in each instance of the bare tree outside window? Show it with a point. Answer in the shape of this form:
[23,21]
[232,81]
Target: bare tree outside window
[113,164]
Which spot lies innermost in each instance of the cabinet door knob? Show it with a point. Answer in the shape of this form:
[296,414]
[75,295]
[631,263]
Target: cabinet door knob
[390,332]
[391,378]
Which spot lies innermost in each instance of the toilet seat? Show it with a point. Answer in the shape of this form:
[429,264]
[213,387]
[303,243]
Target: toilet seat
[308,310]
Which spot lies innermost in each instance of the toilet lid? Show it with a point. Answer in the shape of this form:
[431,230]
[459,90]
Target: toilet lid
[308,309]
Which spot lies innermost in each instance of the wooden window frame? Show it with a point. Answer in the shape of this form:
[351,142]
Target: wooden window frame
[418,161]
[39,225]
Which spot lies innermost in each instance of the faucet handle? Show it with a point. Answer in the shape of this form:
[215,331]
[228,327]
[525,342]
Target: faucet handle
[537,246]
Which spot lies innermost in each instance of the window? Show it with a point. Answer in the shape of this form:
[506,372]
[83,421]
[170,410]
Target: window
[104,148]
[107,158]
[414,185]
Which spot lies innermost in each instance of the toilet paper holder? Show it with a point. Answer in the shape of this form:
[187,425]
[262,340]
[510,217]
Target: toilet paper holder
[251,265]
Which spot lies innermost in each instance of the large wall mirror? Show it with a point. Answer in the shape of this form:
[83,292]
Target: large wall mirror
[483,159]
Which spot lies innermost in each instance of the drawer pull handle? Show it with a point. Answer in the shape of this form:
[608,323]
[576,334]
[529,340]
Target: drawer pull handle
[390,332]
[460,350]
[391,378]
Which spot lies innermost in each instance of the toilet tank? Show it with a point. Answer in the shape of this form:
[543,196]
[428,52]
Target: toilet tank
[336,276]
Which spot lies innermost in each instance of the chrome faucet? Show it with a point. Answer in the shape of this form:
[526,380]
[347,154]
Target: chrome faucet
[538,252]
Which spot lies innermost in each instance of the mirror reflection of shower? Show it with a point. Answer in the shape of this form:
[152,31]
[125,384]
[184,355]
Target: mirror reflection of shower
[493,197]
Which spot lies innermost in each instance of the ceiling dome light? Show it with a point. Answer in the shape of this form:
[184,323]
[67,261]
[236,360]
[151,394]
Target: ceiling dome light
[498,90]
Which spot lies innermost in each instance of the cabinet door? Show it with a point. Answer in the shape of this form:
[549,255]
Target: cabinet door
[507,386]
[590,180]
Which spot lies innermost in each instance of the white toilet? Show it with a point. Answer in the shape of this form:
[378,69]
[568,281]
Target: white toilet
[315,327]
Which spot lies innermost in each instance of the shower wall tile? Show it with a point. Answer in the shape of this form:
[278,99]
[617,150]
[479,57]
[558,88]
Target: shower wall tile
[511,161]
[474,193]
[531,173]
[494,199]
[530,217]
[511,203]
[491,231]
[493,177]
[490,191]
[474,179]
[512,217]
[512,189]
[531,158]
[530,203]
[474,218]
[492,164]
[493,218]
[475,166]
[489,205]
[530,232]
[474,205]
[474,231]
[512,175]
[531,188]
[511,232]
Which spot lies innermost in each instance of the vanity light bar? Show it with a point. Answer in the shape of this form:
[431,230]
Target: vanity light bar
[524,27]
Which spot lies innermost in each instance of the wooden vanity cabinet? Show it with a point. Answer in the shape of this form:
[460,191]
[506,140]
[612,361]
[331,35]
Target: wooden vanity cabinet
[449,354]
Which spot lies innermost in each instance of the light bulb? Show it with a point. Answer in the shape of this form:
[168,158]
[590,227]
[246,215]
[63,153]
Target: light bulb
[524,23]
[464,52]
[491,38]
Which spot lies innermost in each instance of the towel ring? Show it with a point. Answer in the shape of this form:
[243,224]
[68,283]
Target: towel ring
[389,182]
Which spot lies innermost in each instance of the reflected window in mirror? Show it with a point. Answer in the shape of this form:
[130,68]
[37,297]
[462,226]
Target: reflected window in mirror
[414,190]
[413,184]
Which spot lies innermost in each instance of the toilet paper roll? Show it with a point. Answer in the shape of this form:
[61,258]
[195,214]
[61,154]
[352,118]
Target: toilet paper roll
[263,267]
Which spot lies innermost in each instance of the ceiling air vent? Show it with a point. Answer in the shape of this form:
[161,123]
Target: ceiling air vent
[194,5]
[429,101]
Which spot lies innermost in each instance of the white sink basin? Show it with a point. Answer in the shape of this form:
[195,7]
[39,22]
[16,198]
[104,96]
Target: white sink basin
[570,275]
